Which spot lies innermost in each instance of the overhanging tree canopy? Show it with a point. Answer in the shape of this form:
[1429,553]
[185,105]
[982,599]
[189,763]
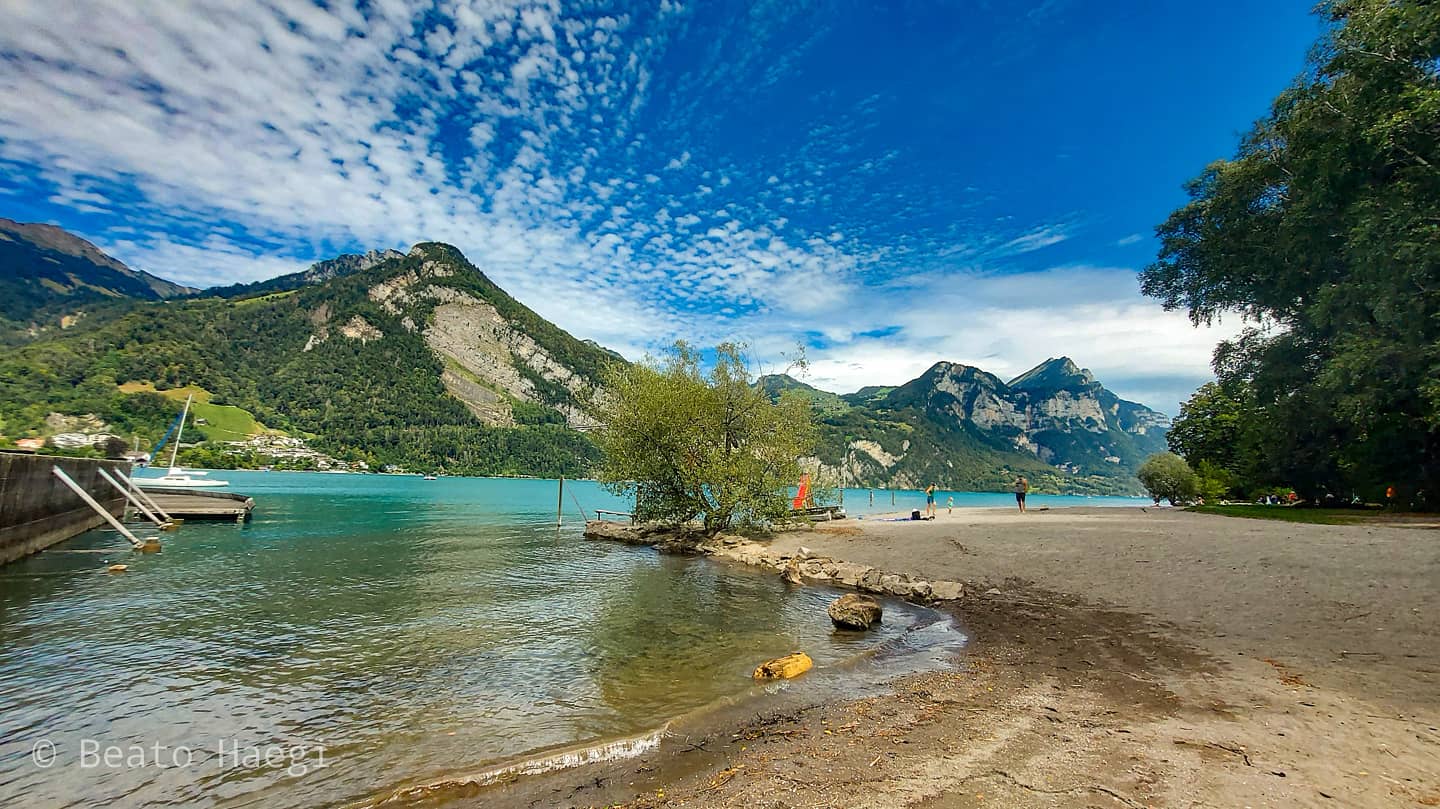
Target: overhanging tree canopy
[1324,231]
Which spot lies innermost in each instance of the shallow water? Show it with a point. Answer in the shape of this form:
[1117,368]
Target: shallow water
[366,633]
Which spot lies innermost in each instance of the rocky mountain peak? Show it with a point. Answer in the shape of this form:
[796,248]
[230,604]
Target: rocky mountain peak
[1056,373]
[322,271]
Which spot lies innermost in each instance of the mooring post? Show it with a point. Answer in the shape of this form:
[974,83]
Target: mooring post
[144,495]
[135,501]
[892,497]
[99,509]
[560,503]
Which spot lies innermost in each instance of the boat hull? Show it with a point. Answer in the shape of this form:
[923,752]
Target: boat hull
[178,483]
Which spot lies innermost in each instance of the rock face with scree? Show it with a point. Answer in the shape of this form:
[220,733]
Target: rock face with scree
[853,611]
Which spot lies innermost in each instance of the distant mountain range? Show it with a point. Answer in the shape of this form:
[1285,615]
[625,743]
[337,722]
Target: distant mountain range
[963,428]
[47,274]
[418,359]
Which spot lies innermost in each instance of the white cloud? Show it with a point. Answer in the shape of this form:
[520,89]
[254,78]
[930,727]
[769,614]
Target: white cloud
[1133,238]
[1036,239]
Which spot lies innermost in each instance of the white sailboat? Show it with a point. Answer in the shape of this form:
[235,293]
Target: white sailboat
[178,478]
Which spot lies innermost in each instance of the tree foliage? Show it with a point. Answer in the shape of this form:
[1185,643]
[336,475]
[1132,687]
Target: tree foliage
[1324,232]
[689,444]
[1167,477]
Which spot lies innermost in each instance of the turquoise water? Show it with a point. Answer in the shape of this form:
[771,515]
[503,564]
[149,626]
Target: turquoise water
[384,632]
[863,502]
[415,630]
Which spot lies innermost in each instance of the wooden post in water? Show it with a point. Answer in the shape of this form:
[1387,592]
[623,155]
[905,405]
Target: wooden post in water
[134,501]
[560,503]
[892,497]
[144,495]
[99,509]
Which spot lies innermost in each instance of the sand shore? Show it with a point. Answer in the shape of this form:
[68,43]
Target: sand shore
[1120,657]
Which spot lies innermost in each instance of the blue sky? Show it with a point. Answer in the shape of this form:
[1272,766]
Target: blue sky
[889,184]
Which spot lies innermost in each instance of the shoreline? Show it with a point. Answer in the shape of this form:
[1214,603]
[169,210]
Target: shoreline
[1157,658]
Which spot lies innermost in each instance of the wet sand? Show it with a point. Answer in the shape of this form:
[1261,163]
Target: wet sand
[1119,657]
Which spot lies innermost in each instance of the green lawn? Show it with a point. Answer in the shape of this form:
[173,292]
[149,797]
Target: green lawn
[222,422]
[225,422]
[1322,516]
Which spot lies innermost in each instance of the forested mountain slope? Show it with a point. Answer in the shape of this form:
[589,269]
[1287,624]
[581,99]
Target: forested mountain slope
[417,359]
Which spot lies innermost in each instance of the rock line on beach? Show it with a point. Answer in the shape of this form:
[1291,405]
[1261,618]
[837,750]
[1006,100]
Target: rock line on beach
[795,568]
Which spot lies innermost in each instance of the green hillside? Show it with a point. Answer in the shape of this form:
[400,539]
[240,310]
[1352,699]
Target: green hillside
[378,400]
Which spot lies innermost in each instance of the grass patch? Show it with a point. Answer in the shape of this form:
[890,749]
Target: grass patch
[1316,516]
[273,296]
[222,422]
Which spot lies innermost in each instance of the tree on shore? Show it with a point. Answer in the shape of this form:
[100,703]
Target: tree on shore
[1324,233]
[1166,476]
[688,444]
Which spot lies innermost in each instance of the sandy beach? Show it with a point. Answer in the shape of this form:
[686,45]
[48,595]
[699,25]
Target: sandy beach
[1119,657]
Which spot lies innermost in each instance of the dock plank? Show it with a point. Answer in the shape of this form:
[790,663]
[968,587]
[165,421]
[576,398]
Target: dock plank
[188,505]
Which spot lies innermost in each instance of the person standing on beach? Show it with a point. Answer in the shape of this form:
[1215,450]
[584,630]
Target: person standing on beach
[930,500]
[950,505]
[1022,488]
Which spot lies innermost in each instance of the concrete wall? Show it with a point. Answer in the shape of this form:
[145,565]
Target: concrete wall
[37,510]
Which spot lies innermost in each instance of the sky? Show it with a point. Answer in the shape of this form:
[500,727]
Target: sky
[886,184]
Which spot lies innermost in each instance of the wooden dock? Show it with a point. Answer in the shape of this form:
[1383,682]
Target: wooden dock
[190,504]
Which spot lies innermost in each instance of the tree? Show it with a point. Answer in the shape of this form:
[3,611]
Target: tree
[687,444]
[1324,232]
[1167,477]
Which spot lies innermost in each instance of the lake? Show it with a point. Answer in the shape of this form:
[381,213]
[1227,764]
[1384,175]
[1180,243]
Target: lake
[380,632]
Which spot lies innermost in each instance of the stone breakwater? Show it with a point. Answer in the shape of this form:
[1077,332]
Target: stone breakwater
[800,568]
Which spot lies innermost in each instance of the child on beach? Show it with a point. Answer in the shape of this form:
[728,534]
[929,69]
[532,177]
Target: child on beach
[950,505]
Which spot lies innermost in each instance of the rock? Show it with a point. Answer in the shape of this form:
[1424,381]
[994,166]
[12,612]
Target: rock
[784,668]
[803,553]
[920,590]
[993,591]
[946,590]
[852,611]
[791,573]
[614,531]
[849,573]
[118,568]
[870,581]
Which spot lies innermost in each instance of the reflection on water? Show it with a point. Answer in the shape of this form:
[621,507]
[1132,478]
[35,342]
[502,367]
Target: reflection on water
[414,629]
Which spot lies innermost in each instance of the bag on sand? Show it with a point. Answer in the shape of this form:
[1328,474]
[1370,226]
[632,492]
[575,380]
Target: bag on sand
[915,515]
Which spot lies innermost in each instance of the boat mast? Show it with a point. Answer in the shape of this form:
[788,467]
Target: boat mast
[183,414]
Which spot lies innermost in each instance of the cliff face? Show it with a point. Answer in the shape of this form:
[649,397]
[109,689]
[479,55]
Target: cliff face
[962,427]
[498,356]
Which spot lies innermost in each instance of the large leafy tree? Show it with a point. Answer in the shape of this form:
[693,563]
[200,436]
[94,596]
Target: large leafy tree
[689,444]
[1166,476]
[1324,233]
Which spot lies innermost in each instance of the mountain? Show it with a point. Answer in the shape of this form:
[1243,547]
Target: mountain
[317,273]
[415,359]
[963,428]
[48,276]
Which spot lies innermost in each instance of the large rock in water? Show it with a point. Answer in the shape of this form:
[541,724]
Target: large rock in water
[783,668]
[853,611]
